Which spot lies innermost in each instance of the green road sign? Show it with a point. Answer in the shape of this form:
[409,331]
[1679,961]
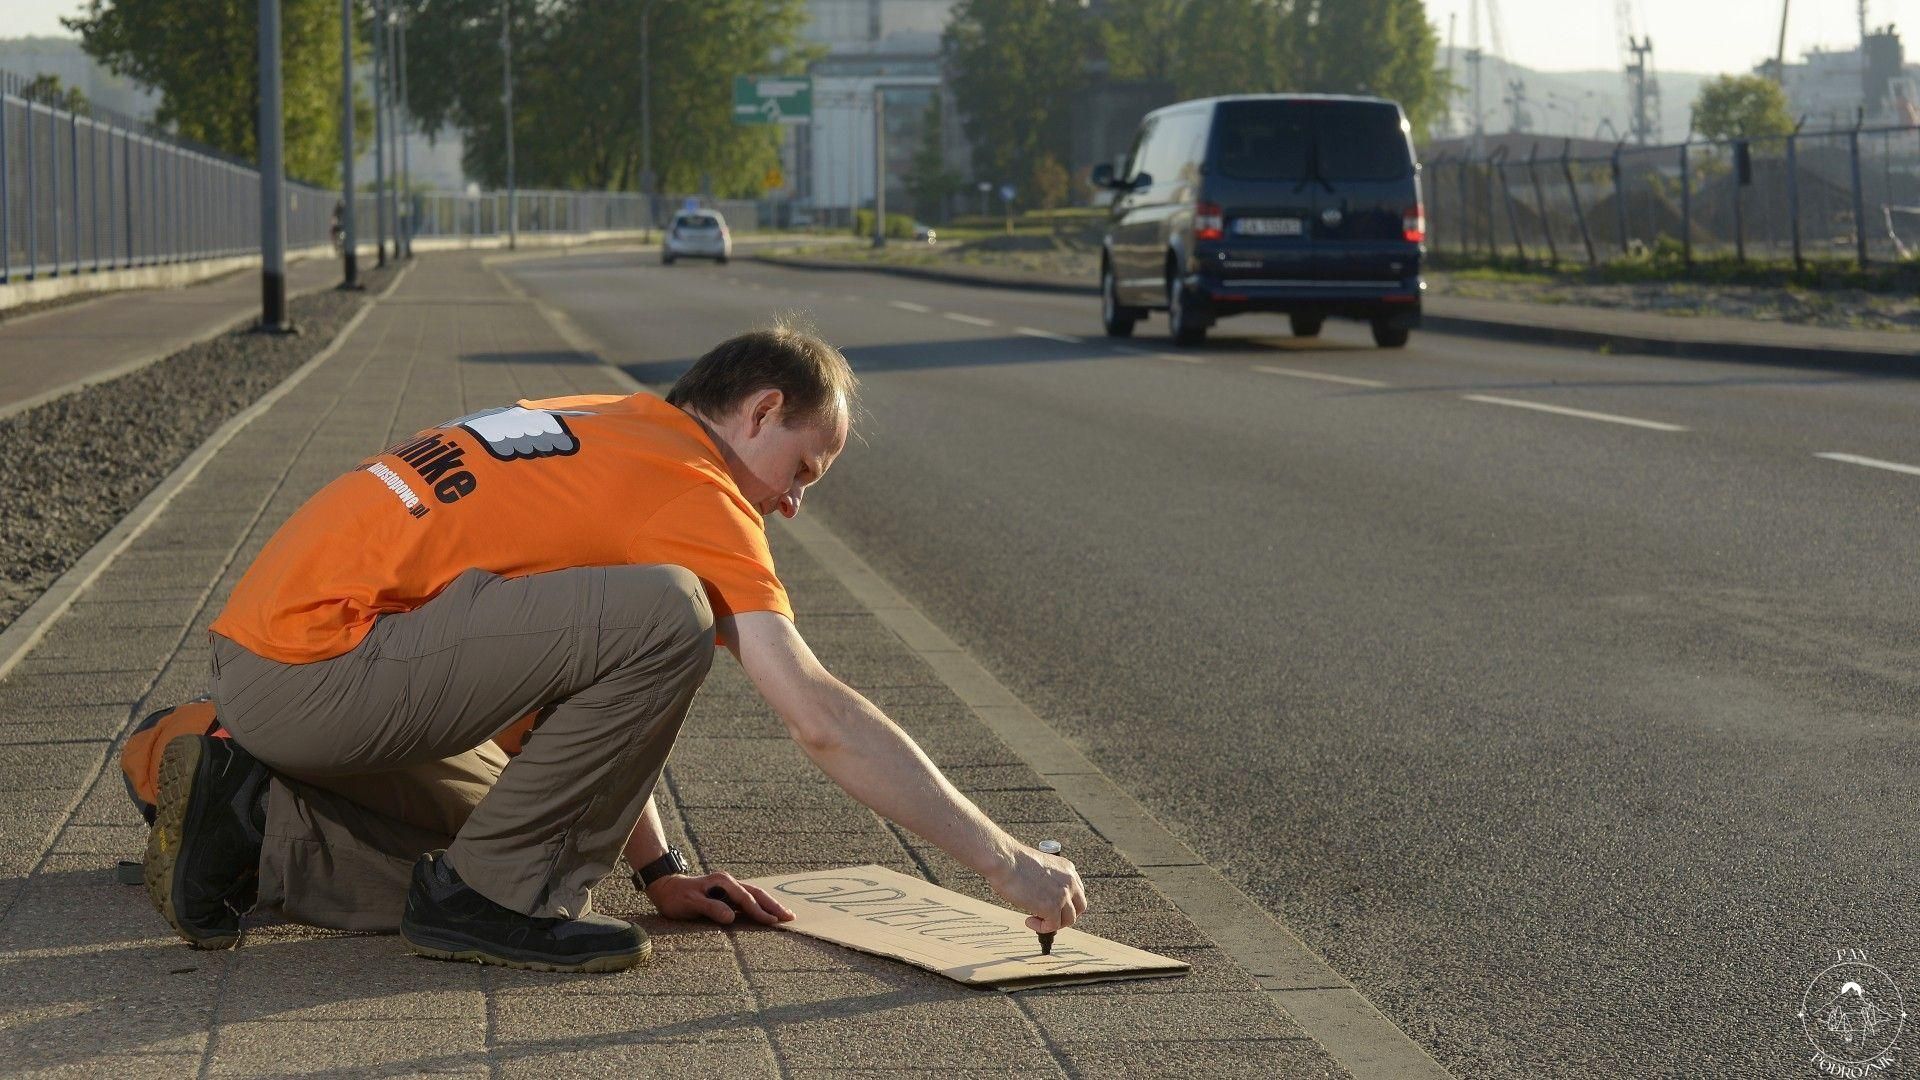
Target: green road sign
[772,99]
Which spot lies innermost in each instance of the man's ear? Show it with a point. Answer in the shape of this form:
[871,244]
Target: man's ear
[762,407]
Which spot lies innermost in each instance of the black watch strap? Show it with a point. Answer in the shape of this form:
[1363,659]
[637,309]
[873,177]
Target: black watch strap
[673,862]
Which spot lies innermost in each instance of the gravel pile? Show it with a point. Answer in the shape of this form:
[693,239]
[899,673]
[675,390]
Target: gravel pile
[76,465]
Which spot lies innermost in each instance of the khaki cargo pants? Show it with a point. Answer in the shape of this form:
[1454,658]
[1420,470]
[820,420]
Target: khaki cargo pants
[384,753]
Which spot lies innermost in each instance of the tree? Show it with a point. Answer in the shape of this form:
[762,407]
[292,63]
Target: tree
[1741,106]
[1381,47]
[49,90]
[1235,47]
[1017,65]
[578,81]
[929,181]
[1049,183]
[1206,47]
[1135,38]
[203,58]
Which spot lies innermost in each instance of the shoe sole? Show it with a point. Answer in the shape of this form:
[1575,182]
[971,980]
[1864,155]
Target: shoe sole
[179,764]
[596,965]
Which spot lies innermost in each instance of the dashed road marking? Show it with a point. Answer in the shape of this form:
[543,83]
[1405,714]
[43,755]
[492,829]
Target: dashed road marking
[1651,425]
[970,320]
[1296,373]
[907,305]
[1048,334]
[1178,358]
[1872,463]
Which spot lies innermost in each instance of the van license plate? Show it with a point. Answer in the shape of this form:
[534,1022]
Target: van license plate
[1267,226]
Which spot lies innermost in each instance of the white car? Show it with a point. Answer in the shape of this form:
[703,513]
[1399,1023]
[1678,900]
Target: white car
[697,234]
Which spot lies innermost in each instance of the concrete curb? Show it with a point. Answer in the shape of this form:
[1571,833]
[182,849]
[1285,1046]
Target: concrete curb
[25,632]
[162,276]
[1299,982]
[1857,359]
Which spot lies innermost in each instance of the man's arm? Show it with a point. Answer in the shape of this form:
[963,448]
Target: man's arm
[878,764]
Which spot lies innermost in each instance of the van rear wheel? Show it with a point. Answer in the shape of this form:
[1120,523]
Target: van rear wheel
[1306,325]
[1186,325]
[1387,335]
[1118,321]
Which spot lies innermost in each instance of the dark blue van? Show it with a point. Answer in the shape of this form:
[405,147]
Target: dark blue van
[1307,204]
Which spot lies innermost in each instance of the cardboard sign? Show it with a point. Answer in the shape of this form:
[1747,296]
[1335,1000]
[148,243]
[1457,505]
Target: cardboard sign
[879,911]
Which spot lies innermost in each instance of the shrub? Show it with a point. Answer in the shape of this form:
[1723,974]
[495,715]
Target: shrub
[899,226]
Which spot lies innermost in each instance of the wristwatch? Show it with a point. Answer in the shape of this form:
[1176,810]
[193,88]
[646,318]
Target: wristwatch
[673,862]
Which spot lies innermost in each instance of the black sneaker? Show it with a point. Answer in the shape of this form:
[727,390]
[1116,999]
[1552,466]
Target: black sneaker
[203,853]
[447,920]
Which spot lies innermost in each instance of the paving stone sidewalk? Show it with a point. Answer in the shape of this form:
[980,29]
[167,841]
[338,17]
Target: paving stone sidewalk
[93,983]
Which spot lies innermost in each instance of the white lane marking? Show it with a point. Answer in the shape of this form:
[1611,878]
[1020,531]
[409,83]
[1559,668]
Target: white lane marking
[906,305]
[1296,373]
[1652,425]
[1048,334]
[1176,357]
[1872,463]
[970,320]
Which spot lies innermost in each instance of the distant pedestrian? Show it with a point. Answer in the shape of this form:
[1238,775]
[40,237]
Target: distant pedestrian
[571,559]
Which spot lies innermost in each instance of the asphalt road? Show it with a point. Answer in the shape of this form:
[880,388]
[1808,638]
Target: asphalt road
[1578,741]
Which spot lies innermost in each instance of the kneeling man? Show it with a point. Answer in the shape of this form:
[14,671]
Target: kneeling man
[570,560]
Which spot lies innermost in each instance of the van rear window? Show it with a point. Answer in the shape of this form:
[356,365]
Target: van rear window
[1292,140]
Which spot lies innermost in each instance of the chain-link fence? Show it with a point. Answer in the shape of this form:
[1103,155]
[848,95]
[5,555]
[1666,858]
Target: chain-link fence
[1850,194]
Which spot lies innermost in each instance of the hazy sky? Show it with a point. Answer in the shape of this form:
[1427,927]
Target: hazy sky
[1688,35]
[1551,35]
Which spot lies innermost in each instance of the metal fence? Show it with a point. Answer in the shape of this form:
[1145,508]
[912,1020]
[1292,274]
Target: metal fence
[453,214]
[1851,194]
[98,191]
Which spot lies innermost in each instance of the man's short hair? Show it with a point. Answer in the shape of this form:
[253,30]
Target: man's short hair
[816,381]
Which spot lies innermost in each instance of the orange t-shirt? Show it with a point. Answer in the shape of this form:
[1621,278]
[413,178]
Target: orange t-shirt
[544,485]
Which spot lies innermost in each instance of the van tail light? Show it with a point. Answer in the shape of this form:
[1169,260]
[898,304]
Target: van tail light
[1209,222]
[1413,224]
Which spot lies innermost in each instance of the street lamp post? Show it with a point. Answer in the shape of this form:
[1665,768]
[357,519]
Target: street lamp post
[647,179]
[513,207]
[379,132]
[273,215]
[351,257]
[879,166]
[406,130]
[397,182]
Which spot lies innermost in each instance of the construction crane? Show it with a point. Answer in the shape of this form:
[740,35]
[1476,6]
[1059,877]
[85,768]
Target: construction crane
[1476,58]
[1520,118]
[1780,50]
[1643,89]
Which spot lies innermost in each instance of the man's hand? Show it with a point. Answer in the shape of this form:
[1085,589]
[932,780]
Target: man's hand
[685,896]
[1046,885]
